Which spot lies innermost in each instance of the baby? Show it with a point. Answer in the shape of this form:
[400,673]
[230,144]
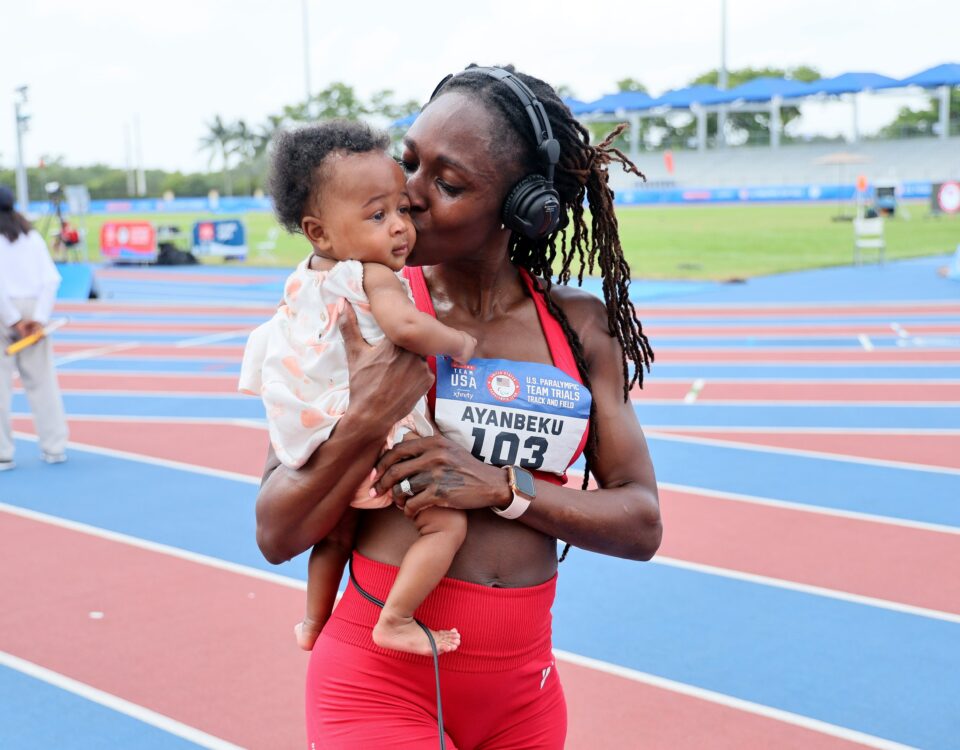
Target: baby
[335,183]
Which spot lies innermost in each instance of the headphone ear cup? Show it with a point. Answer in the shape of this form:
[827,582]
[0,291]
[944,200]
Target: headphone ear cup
[532,207]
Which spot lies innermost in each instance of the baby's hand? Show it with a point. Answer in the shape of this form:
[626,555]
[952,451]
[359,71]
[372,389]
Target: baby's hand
[466,352]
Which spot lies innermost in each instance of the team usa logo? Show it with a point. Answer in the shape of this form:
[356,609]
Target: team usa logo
[503,386]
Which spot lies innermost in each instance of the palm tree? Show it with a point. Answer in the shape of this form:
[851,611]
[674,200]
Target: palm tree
[219,141]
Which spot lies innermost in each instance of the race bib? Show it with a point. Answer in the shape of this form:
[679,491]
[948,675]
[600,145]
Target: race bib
[512,413]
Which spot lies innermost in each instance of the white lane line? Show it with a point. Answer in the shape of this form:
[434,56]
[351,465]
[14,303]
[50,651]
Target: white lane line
[163,549]
[852,431]
[233,421]
[821,455]
[142,458]
[899,330]
[201,340]
[694,391]
[865,342]
[729,701]
[806,588]
[108,700]
[814,509]
[93,353]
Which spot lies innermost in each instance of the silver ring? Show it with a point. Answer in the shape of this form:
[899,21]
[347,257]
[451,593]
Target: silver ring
[405,488]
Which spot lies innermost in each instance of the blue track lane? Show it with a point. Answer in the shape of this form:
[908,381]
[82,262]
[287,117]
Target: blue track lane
[879,490]
[851,416]
[210,406]
[889,674]
[34,714]
[153,366]
[820,657]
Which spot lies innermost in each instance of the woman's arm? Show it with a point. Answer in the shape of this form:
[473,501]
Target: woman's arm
[622,518]
[298,507]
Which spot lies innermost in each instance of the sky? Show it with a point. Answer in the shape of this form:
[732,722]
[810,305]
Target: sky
[101,68]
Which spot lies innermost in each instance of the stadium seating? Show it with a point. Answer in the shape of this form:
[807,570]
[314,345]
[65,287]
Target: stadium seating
[794,164]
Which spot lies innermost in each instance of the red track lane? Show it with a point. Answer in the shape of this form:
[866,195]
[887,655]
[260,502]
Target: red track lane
[195,646]
[892,309]
[189,312]
[929,450]
[110,382]
[227,447]
[780,330]
[814,356]
[918,391]
[859,557]
[232,352]
[845,554]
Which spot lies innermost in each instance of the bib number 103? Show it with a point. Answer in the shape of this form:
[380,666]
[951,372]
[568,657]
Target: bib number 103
[506,447]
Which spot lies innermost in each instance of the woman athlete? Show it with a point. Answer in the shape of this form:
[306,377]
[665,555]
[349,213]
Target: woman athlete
[549,357]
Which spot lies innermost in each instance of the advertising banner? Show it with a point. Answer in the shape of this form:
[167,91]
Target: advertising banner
[128,241]
[222,238]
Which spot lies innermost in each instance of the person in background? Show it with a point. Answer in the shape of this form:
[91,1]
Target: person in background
[28,287]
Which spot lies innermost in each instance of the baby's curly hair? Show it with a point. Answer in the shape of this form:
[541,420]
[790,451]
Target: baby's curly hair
[296,173]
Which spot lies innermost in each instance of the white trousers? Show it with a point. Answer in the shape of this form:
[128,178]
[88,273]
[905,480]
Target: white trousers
[35,364]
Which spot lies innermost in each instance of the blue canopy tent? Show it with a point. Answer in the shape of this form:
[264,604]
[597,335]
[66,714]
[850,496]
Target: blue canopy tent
[691,98]
[404,122]
[577,107]
[851,84]
[942,77]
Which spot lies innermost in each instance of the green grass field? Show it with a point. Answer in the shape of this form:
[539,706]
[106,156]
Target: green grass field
[681,242]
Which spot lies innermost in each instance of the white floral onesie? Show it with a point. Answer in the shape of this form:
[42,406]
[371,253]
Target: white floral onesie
[297,363]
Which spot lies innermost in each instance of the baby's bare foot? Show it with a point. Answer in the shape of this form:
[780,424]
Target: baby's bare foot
[307,633]
[403,634]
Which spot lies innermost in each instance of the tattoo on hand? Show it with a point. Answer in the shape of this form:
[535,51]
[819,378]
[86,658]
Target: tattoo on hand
[448,481]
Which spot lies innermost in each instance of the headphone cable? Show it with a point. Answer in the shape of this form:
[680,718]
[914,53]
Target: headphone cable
[433,647]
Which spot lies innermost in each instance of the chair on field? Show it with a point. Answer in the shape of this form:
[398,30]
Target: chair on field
[266,248]
[868,235]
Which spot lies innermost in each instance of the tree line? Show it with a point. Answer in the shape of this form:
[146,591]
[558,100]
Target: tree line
[238,151]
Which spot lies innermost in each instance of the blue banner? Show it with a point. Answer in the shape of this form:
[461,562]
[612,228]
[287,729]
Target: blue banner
[223,238]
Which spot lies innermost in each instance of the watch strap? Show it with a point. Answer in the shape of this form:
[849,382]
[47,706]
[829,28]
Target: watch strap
[518,506]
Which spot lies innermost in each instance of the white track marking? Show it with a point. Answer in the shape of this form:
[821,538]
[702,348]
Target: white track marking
[163,549]
[694,391]
[133,710]
[93,353]
[212,338]
[729,701]
[814,509]
[806,588]
[142,458]
[865,342]
[821,455]
[587,662]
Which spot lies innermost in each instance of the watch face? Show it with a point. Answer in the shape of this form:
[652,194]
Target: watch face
[524,482]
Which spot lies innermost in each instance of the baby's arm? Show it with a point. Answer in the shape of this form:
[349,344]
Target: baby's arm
[404,324]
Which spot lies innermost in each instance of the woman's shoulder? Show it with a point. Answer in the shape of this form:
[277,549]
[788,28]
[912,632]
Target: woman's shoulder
[583,310]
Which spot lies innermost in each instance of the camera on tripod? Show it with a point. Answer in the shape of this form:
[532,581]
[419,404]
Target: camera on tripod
[68,237]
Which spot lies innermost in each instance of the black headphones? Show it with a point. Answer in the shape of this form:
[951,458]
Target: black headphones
[532,207]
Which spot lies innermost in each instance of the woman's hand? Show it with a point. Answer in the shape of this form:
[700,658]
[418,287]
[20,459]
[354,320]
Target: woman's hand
[441,474]
[385,381]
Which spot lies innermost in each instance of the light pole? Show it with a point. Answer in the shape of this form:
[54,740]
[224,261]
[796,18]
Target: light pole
[306,49]
[23,195]
[722,75]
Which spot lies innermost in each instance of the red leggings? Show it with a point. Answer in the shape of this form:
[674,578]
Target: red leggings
[500,689]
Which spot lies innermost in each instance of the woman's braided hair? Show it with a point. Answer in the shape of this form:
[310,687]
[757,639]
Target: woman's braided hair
[581,173]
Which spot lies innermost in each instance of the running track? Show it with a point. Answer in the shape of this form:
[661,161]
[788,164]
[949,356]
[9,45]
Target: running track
[807,594]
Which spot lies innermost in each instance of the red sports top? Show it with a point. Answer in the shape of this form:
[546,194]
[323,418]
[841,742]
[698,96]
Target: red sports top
[557,342]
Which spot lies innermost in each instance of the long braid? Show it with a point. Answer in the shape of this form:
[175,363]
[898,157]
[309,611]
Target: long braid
[581,176]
